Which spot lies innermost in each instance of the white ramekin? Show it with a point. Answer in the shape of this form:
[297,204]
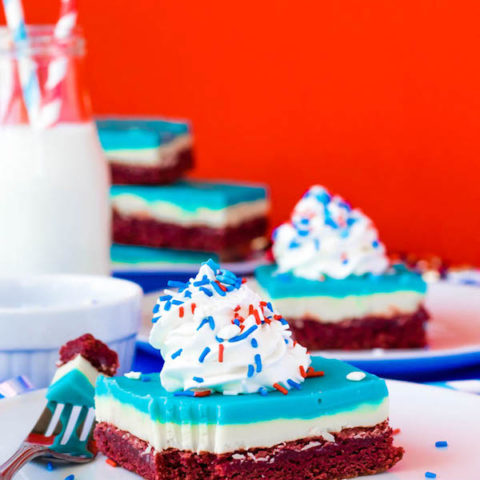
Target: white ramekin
[38,314]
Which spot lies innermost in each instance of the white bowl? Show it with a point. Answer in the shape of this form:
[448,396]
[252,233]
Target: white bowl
[38,314]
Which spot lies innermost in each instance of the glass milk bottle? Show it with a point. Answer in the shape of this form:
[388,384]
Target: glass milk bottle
[54,182]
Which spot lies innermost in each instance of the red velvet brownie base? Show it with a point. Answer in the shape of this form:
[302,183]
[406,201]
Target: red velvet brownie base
[151,233]
[354,452]
[93,350]
[400,331]
[124,174]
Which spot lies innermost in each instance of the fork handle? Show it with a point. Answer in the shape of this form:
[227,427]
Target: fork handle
[24,454]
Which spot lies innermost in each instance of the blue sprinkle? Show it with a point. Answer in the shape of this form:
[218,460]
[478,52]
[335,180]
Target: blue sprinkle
[202,356]
[430,475]
[286,340]
[206,320]
[230,288]
[188,294]
[203,281]
[156,308]
[316,243]
[206,291]
[177,302]
[254,343]
[345,261]
[167,306]
[293,384]
[177,353]
[175,284]
[228,273]
[70,477]
[250,371]
[145,379]
[263,391]
[330,222]
[226,280]
[441,444]
[283,321]
[258,362]
[164,298]
[375,244]
[213,265]
[155,319]
[216,287]
[345,205]
[303,233]
[244,335]
[351,221]
[294,244]
[49,466]
[238,283]
[186,393]
[344,233]
[304,221]
[219,340]
[323,197]
[198,379]
[237,322]
[274,234]
[270,306]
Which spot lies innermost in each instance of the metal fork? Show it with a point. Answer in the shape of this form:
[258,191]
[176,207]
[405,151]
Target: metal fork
[62,433]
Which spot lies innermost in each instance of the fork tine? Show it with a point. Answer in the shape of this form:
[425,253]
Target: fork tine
[88,424]
[72,421]
[54,420]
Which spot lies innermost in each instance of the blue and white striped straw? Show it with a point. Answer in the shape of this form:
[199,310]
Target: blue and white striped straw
[27,67]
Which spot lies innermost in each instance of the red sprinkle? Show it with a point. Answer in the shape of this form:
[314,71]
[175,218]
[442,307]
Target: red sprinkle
[220,352]
[111,462]
[396,431]
[237,308]
[277,316]
[180,312]
[222,287]
[250,309]
[257,317]
[294,343]
[194,306]
[244,280]
[280,388]
[312,373]
[303,373]
[204,393]
[263,303]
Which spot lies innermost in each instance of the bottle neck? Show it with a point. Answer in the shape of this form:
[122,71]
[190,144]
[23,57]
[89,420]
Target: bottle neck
[42,80]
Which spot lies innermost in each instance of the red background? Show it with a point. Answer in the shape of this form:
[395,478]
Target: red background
[378,100]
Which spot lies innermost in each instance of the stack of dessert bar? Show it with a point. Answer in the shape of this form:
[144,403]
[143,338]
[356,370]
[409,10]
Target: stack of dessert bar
[161,219]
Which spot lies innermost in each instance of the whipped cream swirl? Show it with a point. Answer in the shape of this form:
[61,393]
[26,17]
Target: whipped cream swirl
[216,334]
[326,237]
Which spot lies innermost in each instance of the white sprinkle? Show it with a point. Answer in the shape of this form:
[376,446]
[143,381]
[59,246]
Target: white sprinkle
[356,376]
[133,375]
[238,456]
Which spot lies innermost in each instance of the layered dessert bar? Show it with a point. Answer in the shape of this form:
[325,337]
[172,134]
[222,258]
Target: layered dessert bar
[146,152]
[192,215]
[73,387]
[334,283]
[239,398]
[132,257]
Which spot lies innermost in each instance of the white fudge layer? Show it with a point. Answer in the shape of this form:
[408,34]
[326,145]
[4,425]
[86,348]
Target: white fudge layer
[333,310]
[228,438]
[77,363]
[165,212]
[162,156]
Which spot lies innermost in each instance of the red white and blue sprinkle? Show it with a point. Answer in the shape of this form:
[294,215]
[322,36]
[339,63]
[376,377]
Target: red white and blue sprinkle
[198,379]
[441,444]
[176,354]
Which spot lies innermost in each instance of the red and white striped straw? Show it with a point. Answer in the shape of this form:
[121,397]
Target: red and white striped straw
[57,69]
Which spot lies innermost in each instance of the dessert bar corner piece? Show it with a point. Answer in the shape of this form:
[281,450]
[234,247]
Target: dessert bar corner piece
[146,152]
[336,426]
[237,397]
